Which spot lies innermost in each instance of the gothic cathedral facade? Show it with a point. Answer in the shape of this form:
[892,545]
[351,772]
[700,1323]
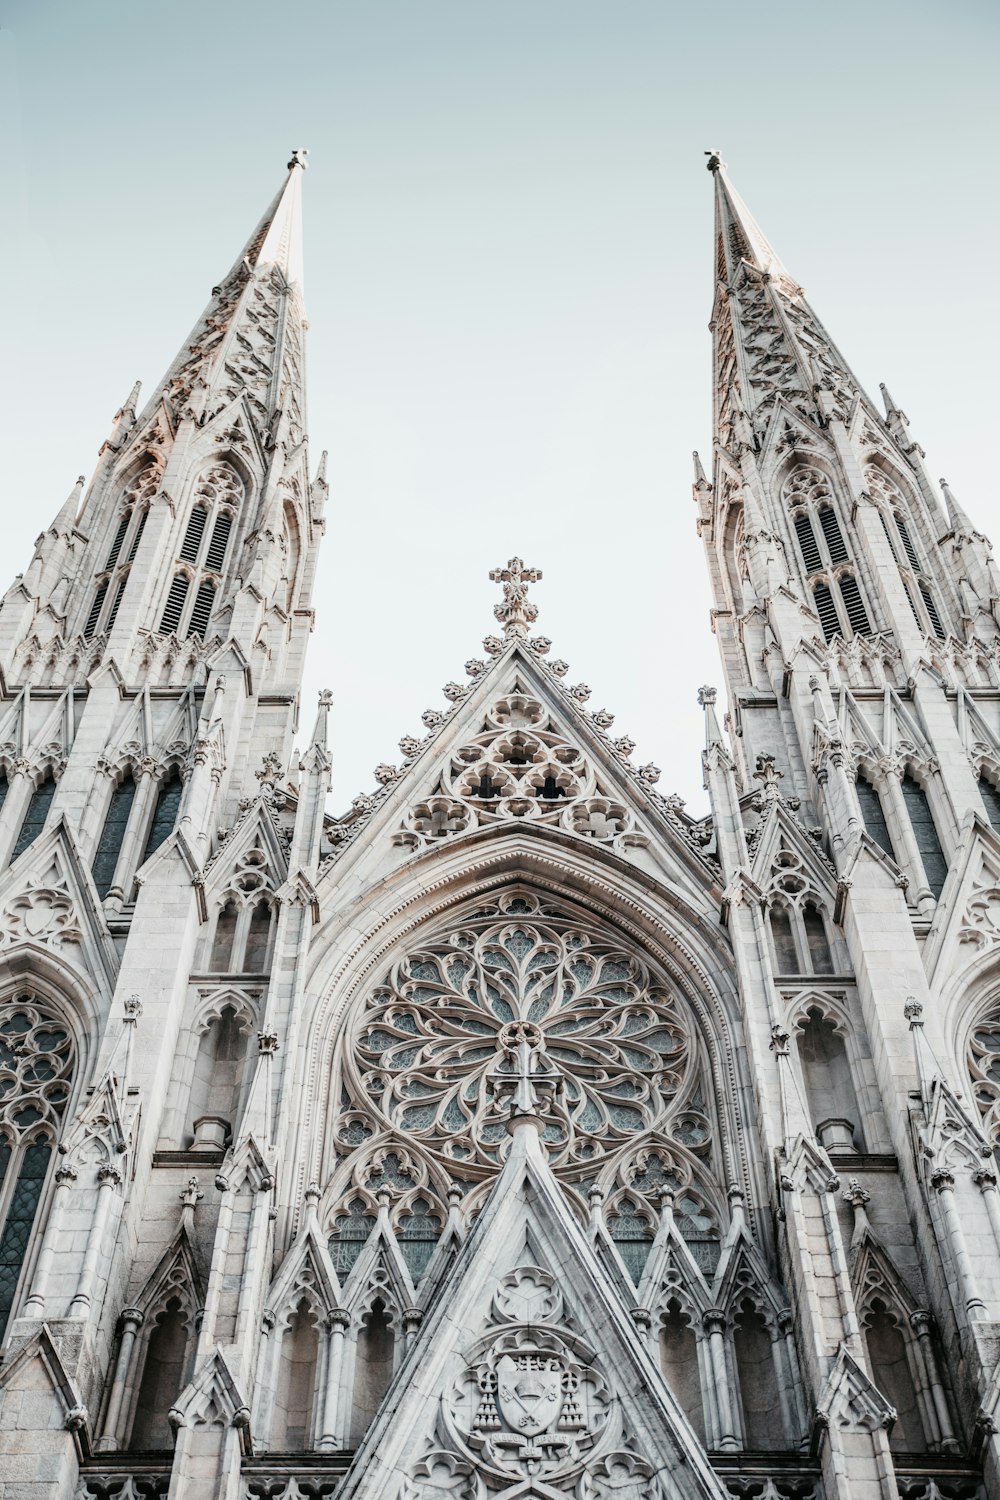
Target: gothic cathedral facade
[515,1135]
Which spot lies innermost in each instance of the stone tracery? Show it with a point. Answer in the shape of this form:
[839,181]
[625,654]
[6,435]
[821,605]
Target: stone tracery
[433,1035]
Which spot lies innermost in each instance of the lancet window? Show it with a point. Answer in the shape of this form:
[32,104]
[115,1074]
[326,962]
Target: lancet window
[113,834]
[829,568]
[197,575]
[991,799]
[37,1060]
[243,935]
[167,806]
[873,814]
[35,815]
[911,838]
[892,509]
[829,1081]
[111,580]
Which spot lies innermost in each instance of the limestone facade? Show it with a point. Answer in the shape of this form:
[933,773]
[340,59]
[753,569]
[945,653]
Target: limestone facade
[515,1134]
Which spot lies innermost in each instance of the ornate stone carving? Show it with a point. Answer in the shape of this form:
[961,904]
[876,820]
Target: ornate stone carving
[44,913]
[521,766]
[434,1034]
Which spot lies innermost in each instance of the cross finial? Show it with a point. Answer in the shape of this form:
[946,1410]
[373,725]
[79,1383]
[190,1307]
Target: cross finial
[298,158]
[527,1083]
[517,611]
[714,161]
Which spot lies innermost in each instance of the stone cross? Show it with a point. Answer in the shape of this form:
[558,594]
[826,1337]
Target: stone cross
[517,611]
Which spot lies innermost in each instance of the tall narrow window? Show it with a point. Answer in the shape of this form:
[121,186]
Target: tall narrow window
[216,554]
[831,530]
[171,617]
[856,613]
[162,1377]
[786,957]
[932,611]
[925,834]
[112,835]
[296,1383]
[908,547]
[679,1363]
[826,1072]
[95,609]
[816,939]
[762,1425]
[119,537]
[827,611]
[36,1069]
[116,601]
[874,816]
[202,611]
[891,1368]
[165,814]
[133,545]
[258,948]
[807,543]
[221,960]
[191,545]
[991,799]
[34,818]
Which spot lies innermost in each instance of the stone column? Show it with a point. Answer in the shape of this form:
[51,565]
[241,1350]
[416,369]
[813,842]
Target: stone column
[35,1305]
[337,1321]
[922,1324]
[108,1178]
[727,1437]
[132,1319]
[943,1183]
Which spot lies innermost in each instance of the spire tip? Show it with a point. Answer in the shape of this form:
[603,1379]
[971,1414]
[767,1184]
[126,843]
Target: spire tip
[714,162]
[298,158]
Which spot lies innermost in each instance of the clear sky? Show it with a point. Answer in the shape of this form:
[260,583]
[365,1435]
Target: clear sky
[508,276]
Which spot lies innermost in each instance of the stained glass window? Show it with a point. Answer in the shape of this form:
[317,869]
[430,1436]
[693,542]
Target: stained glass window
[112,834]
[168,802]
[36,1065]
[34,818]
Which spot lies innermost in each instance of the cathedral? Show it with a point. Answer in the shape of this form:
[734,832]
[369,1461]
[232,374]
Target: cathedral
[514,1135]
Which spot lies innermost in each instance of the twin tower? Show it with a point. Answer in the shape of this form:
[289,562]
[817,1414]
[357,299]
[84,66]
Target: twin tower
[515,1135]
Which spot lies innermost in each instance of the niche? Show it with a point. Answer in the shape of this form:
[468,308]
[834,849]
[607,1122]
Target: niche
[679,1363]
[296,1383]
[218,1076]
[372,1369]
[826,1071]
[162,1378]
[762,1423]
[891,1372]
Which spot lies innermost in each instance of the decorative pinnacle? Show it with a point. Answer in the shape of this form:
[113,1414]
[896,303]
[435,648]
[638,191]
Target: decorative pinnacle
[299,154]
[517,611]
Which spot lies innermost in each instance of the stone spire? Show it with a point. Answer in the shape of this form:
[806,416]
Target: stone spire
[248,340]
[769,344]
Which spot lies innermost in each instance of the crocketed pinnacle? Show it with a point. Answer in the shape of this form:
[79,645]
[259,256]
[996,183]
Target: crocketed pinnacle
[517,612]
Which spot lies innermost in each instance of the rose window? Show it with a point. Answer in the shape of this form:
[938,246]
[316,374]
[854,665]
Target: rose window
[984,1070]
[436,1036]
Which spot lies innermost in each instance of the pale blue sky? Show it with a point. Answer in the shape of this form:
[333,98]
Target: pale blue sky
[509,276]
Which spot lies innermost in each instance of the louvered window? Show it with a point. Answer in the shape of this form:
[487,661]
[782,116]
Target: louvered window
[34,818]
[925,834]
[216,554]
[168,802]
[908,547]
[909,599]
[137,536]
[95,609]
[116,545]
[191,545]
[991,799]
[116,601]
[874,817]
[931,609]
[853,603]
[171,617]
[202,610]
[831,530]
[893,548]
[827,610]
[807,543]
[112,835]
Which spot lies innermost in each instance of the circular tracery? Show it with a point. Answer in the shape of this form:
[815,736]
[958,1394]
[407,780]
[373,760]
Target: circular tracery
[435,1035]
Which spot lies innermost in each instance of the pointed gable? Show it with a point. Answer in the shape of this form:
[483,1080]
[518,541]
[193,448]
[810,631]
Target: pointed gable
[527,1368]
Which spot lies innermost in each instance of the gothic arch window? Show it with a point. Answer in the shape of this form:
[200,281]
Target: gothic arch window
[829,568]
[892,508]
[755,1358]
[109,845]
[37,1060]
[110,581]
[888,1348]
[873,815]
[168,801]
[35,815]
[374,1358]
[201,559]
[294,1408]
[217,1080]
[932,856]
[242,941]
[679,1362]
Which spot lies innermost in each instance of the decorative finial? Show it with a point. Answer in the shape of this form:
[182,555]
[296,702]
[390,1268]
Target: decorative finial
[299,154]
[714,161]
[913,1011]
[527,1083]
[707,697]
[517,611]
[325,698]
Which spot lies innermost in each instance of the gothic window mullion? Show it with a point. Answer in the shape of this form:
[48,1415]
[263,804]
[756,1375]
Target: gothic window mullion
[237,958]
